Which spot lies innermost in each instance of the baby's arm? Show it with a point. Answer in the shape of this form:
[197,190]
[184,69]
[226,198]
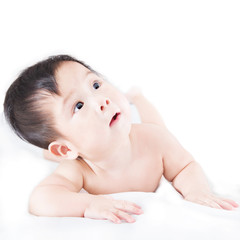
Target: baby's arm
[58,196]
[148,113]
[192,184]
[180,168]
[187,176]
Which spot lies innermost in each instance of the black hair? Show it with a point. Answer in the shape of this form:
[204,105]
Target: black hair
[22,104]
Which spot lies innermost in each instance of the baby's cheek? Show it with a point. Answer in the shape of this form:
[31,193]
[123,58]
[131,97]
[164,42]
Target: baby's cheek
[122,100]
[127,109]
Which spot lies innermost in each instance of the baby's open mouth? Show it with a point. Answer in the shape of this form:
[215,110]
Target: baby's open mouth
[114,118]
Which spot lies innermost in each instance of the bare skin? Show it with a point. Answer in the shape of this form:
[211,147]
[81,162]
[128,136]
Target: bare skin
[117,156]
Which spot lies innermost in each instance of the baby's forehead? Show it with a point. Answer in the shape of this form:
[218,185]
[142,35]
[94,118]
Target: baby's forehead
[69,69]
[70,74]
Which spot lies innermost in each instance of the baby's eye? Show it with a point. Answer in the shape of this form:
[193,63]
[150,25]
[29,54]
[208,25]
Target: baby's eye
[78,106]
[96,85]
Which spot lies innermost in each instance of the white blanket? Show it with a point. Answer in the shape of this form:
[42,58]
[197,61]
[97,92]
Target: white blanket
[166,214]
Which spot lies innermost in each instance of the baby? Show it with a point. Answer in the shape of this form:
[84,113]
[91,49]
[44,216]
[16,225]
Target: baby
[64,106]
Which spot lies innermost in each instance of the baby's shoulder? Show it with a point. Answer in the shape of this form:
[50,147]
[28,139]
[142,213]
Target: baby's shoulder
[73,170]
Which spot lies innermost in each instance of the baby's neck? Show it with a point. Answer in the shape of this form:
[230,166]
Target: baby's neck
[116,161]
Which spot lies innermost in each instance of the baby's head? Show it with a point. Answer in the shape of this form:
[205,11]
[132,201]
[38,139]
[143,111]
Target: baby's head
[63,105]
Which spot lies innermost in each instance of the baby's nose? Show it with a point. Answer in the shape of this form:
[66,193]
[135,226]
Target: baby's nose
[104,104]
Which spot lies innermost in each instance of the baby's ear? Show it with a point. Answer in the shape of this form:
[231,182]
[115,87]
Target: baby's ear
[63,151]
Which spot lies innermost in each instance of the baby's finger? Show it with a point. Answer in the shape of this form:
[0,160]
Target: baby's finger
[124,216]
[213,204]
[110,216]
[224,205]
[209,203]
[234,204]
[128,207]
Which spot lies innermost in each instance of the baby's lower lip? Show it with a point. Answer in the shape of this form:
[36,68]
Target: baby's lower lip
[115,118]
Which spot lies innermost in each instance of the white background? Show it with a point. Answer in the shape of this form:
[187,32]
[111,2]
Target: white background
[185,55]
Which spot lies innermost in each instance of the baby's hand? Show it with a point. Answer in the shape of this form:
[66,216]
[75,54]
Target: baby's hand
[211,200]
[105,207]
[132,93]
